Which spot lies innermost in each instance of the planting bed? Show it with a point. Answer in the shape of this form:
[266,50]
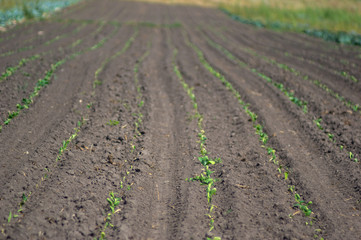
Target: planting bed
[124,120]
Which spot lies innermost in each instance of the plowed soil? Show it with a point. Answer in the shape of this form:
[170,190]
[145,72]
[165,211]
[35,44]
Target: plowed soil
[139,135]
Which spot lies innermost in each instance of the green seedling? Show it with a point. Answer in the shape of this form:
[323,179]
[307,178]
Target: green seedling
[112,123]
[271,152]
[318,123]
[89,105]
[205,177]
[65,144]
[352,157]
[10,217]
[286,175]
[355,107]
[259,129]
[113,201]
[41,83]
[242,64]
[302,205]
[331,136]
[263,137]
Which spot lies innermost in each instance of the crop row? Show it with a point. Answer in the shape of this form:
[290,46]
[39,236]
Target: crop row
[289,93]
[26,48]
[263,136]
[342,73]
[25,196]
[114,199]
[204,178]
[9,71]
[41,83]
[65,143]
[354,107]
[126,46]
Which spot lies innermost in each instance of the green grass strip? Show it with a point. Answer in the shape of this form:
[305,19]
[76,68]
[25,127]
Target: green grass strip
[41,83]
[332,36]
[263,137]
[126,46]
[205,178]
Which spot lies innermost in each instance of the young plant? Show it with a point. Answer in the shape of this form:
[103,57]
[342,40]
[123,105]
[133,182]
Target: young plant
[112,123]
[318,123]
[113,201]
[205,177]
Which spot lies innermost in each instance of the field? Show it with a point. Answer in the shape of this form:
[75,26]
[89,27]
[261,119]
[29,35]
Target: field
[133,120]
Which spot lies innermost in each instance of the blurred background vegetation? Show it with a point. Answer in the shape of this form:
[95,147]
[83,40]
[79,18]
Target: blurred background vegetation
[12,11]
[294,15]
[332,15]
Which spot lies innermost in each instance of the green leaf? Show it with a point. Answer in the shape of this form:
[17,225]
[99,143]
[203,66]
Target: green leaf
[10,217]
[286,175]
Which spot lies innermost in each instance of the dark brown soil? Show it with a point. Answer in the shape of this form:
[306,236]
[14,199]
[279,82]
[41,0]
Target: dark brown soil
[147,166]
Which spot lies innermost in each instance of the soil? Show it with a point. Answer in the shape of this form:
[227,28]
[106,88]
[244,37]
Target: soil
[139,137]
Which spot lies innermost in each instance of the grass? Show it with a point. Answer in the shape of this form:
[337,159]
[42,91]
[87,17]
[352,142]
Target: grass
[9,4]
[16,10]
[306,16]
[337,21]
[331,15]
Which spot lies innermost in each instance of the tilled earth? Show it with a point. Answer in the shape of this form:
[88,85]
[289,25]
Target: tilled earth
[118,105]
